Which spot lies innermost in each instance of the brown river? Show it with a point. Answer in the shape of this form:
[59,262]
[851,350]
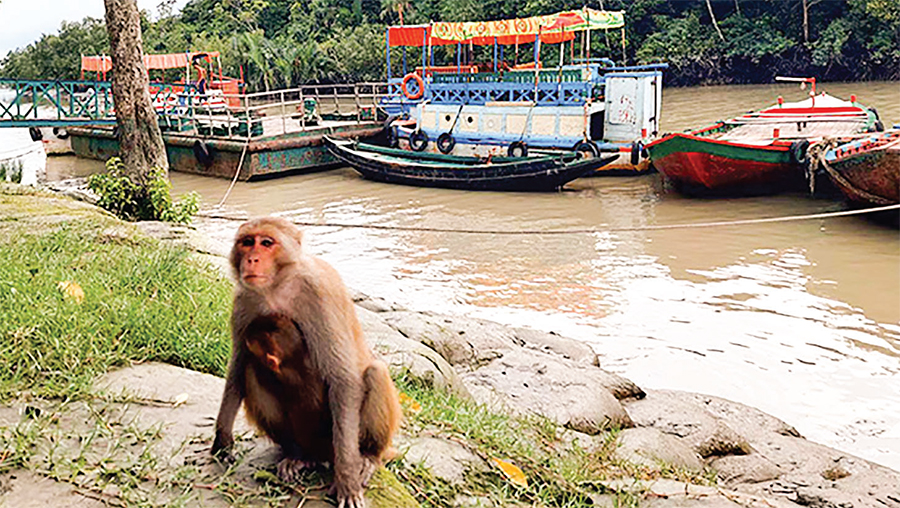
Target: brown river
[800,319]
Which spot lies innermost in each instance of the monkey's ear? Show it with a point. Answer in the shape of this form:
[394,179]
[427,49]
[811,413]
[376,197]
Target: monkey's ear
[273,362]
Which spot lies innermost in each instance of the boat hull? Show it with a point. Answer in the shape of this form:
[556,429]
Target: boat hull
[867,173]
[706,166]
[262,158]
[542,174]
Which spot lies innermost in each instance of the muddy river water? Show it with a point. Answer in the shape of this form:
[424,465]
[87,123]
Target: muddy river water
[800,319]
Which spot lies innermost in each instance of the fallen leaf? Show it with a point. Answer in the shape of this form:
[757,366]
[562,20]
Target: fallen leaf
[179,400]
[71,289]
[511,472]
[410,403]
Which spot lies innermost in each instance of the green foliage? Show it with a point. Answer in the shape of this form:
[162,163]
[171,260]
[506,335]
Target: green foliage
[140,303]
[151,200]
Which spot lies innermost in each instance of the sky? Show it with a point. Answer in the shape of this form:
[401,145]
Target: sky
[27,20]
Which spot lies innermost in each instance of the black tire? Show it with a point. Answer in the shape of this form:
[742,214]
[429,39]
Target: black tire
[418,141]
[588,149]
[517,149]
[798,151]
[445,143]
[60,132]
[636,148]
[202,153]
[35,133]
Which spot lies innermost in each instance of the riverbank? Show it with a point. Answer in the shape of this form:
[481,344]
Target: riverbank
[597,435]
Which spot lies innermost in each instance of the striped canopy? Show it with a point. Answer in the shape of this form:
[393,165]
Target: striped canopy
[552,28]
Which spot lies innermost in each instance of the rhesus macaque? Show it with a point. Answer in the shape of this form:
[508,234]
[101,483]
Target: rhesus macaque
[300,363]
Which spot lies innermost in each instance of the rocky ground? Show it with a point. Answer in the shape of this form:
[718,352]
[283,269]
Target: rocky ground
[757,459]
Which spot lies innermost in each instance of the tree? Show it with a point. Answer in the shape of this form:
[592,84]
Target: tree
[140,141]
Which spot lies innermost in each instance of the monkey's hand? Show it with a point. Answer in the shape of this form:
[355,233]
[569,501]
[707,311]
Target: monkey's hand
[349,494]
[221,447]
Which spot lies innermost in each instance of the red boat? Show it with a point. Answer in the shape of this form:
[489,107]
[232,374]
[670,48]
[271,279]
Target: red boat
[762,152]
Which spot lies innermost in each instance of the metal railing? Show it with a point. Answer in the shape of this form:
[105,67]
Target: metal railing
[182,109]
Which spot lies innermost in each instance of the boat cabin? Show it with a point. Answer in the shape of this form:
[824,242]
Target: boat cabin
[569,101]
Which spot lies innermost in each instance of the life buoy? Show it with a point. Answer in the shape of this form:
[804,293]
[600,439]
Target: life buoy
[445,143]
[517,149]
[202,153]
[420,86]
[798,151]
[418,141]
[35,133]
[587,149]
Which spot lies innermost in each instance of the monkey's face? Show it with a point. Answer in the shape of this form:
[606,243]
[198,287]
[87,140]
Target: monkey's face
[257,259]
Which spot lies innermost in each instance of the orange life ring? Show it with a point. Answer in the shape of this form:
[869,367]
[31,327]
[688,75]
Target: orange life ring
[419,81]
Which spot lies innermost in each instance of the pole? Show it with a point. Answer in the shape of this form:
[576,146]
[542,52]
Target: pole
[387,43]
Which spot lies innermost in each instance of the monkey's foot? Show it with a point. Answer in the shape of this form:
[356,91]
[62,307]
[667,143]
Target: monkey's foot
[370,465]
[291,469]
[346,499]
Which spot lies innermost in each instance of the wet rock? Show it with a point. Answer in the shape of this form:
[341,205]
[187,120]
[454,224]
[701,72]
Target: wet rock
[373,303]
[399,352]
[651,447]
[552,343]
[447,460]
[576,396]
[466,343]
[736,469]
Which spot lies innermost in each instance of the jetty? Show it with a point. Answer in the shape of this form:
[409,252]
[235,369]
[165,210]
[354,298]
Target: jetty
[209,128]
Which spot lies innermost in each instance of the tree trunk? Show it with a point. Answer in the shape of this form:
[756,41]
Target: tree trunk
[140,141]
[715,23]
[805,22]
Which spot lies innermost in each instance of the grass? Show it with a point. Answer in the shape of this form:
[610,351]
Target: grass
[142,301]
[560,471]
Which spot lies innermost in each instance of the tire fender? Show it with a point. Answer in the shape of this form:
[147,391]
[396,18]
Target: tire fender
[445,143]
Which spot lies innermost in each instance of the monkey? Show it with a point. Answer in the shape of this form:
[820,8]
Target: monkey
[301,366]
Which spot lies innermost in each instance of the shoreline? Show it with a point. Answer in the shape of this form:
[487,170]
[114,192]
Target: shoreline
[679,436]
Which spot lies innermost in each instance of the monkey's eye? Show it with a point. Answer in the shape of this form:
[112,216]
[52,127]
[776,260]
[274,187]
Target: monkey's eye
[267,242]
[247,241]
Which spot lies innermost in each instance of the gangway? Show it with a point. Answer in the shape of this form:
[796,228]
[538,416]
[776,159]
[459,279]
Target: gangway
[56,103]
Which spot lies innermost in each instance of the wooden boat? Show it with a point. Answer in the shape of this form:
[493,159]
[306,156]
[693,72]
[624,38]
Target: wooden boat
[866,170]
[543,172]
[762,152]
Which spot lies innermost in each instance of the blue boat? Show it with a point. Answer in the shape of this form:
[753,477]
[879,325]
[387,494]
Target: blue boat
[584,104]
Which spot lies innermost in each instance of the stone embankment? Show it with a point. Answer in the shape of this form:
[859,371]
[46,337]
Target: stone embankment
[758,459]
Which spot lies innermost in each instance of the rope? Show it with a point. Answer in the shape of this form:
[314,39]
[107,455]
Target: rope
[238,170]
[839,178]
[663,227]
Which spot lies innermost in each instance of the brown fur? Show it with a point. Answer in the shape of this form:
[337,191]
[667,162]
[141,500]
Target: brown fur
[301,365]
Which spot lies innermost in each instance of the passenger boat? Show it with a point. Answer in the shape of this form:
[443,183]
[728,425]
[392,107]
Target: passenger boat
[762,152]
[586,104]
[866,170]
[543,172]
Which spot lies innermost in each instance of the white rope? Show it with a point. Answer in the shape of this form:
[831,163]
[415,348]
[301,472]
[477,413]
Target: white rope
[237,171]
[662,227]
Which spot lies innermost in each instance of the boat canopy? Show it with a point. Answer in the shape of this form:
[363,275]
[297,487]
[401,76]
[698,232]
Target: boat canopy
[163,61]
[551,29]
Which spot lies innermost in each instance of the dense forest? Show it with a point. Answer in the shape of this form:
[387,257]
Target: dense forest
[279,43]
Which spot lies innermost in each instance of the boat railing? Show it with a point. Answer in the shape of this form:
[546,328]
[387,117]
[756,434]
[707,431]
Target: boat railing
[276,112]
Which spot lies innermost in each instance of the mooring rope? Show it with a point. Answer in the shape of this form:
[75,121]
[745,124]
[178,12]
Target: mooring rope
[662,227]
[238,170]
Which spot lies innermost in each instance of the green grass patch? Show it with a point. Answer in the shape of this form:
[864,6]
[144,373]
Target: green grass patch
[141,301]
[560,472]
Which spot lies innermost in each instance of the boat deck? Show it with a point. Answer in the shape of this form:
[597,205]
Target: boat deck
[790,130]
